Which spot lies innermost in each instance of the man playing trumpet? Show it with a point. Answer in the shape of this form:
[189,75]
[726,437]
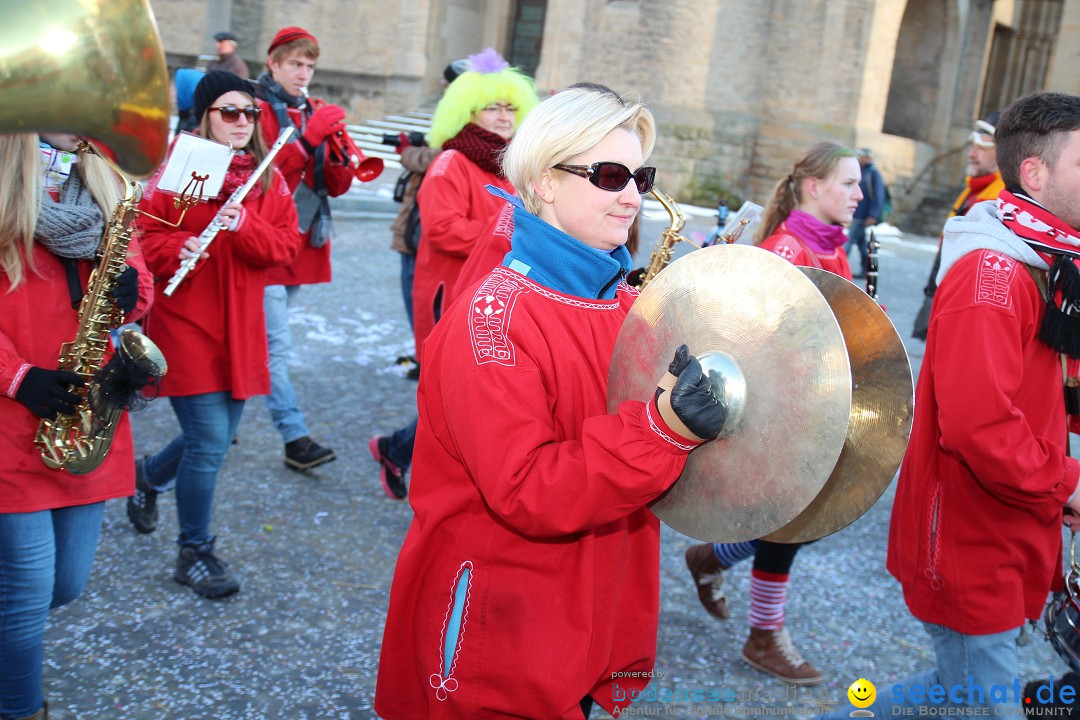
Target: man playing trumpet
[314,175]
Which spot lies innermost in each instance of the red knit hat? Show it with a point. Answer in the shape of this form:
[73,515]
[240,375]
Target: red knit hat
[287,35]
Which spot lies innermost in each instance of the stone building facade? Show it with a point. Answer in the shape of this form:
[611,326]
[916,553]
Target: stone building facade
[739,88]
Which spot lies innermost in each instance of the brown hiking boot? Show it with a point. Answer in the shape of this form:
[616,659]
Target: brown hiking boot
[709,578]
[773,652]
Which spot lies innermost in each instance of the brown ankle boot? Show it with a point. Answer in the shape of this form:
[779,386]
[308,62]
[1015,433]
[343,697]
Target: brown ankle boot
[773,652]
[708,576]
[42,714]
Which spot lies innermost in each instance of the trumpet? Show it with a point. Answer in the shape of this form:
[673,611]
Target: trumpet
[207,236]
[344,149]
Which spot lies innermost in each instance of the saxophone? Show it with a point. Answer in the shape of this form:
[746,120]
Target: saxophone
[669,238]
[80,441]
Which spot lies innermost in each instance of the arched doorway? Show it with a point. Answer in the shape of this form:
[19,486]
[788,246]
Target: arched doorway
[916,86]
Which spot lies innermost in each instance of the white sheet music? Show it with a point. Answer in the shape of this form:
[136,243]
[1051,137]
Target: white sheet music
[195,154]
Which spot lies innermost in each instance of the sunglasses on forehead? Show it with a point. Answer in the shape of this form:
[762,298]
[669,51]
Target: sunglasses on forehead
[231,113]
[612,176]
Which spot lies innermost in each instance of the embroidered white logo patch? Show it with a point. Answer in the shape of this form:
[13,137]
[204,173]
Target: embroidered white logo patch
[992,285]
[787,249]
[490,318]
[504,226]
[441,162]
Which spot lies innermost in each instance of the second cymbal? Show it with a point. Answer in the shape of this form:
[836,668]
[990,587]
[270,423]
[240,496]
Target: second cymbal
[763,324]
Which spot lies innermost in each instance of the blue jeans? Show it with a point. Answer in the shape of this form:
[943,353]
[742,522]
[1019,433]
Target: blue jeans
[45,559]
[281,402]
[408,271]
[401,445]
[208,423]
[968,661]
[857,238]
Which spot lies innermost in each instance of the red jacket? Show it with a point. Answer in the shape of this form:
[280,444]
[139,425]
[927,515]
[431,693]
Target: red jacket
[788,246]
[488,254]
[212,330]
[986,472]
[312,265]
[35,320]
[455,211]
[543,505]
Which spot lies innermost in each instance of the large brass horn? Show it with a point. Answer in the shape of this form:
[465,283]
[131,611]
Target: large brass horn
[94,68]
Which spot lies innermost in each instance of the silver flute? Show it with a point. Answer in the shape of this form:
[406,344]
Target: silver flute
[216,225]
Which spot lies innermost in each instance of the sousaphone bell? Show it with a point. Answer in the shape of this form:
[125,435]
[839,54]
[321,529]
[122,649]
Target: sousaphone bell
[94,68]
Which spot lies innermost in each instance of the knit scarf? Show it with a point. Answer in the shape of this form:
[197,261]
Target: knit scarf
[482,146]
[272,92]
[71,227]
[240,169]
[973,192]
[1047,235]
[821,238]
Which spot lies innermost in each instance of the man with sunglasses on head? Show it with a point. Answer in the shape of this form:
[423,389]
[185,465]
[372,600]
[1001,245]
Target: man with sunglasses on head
[314,174]
[983,182]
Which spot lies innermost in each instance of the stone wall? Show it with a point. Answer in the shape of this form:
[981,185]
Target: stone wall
[739,88]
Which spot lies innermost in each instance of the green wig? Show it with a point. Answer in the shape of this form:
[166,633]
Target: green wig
[490,79]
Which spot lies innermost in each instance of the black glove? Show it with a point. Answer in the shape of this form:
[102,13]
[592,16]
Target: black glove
[46,393]
[126,292]
[634,277]
[692,398]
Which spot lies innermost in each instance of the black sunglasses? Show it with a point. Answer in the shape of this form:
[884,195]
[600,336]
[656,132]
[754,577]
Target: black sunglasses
[612,176]
[231,113]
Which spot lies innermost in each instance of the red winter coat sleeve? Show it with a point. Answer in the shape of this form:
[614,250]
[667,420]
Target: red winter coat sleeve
[980,420]
[268,238]
[294,161]
[136,260]
[455,206]
[543,487]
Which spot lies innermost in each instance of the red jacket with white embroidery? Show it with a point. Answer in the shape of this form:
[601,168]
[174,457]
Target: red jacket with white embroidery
[455,211]
[312,264]
[986,472]
[530,516]
[213,330]
[787,245]
[36,318]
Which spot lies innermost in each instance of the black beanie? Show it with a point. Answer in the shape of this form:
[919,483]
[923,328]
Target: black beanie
[454,69]
[215,84]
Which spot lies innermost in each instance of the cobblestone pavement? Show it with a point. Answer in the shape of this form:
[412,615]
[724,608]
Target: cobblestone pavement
[315,552]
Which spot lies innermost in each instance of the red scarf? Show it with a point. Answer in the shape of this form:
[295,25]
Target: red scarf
[482,146]
[975,187]
[240,169]
[1047,235]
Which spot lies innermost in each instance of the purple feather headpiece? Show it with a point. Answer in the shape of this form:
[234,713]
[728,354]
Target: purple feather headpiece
[487,61]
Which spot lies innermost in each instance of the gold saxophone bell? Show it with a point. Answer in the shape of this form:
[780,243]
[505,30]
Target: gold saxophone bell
[94,68]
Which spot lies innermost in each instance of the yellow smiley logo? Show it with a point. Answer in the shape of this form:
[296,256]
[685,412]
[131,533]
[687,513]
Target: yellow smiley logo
[862,693]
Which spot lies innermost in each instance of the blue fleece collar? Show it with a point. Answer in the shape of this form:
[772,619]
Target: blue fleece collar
[552,258]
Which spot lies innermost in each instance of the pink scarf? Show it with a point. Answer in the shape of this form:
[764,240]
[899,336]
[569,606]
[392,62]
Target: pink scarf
[821,238]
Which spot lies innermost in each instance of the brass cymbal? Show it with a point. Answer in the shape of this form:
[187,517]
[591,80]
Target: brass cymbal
[882,405]
[787,384]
